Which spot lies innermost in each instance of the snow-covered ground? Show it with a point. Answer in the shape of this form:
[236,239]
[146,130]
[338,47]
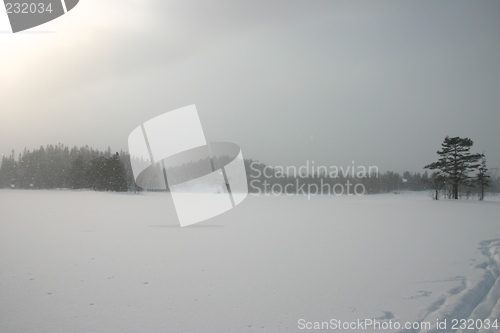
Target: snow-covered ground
[104,262]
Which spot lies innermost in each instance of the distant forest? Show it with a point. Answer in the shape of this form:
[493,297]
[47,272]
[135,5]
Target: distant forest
[58,166]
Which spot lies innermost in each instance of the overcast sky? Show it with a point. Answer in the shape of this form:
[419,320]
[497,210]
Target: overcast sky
[378,82]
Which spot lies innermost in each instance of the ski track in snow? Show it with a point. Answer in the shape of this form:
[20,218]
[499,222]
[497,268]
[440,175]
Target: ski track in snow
[471,300]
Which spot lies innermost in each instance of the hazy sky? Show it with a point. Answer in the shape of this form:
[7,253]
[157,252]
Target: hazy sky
[378,82]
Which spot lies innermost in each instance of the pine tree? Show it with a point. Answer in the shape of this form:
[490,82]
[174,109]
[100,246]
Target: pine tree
[483,178]
[455,162]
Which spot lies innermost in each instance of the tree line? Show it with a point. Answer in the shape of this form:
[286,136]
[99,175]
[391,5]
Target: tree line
[58,166]
[387,182]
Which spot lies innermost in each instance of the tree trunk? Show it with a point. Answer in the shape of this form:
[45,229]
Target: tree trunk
[455,191]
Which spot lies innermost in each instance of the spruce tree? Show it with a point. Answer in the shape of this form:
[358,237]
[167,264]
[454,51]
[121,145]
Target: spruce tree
[117,175]
[97,174]
[78,176]
[8,172]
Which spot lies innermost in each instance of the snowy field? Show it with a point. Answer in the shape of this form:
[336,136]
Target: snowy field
[104,262]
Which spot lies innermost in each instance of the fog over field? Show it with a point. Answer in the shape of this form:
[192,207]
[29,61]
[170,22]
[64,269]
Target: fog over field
[378,82]
[250,166]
